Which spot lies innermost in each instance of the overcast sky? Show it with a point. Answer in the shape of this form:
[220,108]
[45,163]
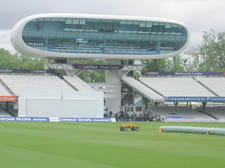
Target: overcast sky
[198,15]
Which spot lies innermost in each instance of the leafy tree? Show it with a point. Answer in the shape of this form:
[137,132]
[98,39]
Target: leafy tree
[176,64]
[91,75]
[156,65]
[15,61]
[210,55]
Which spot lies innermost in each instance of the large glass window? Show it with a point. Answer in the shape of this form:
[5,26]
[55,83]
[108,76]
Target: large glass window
[101,36]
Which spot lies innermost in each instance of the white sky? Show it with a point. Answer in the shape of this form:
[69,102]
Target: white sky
[198,15]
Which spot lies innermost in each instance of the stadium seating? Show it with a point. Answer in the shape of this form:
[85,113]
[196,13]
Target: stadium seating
[218,112]
[153,88]
[19,82]
[109,90]
[3,113]
[215,84]
[181,114]
[147,92]
[78,83]
[176,86]
[3,91]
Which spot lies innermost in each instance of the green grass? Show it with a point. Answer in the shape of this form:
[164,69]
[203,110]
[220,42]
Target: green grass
[102,145]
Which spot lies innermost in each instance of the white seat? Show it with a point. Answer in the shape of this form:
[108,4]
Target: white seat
[3,91]
[18,83]
[185,113]
[175,86]
[216,84]
[144,90]
[78,83]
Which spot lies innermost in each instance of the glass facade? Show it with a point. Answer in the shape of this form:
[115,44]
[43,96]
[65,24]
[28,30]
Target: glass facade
[104,36]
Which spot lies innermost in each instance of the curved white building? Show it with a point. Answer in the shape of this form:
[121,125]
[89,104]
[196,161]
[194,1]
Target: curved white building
[99,36]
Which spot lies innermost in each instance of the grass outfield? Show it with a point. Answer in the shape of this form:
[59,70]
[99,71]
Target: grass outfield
[102,145]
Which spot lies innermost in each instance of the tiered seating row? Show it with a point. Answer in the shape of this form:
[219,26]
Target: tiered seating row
[175,86]
[18,83]
[144,90]
[78,83]
[3,91]
[215,84]
[182,113]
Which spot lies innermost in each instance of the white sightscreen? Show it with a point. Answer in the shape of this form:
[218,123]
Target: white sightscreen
[61,104]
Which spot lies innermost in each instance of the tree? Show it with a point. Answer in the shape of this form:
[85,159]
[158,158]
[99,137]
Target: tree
[91,75]
[16,61]
[176,64]
[156,65]
[210,55]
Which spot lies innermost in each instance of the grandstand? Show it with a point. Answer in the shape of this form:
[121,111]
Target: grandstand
[214,83]
[144,90]
[4,113]
[77,83]
[163,87]
[154,88]
[218,112]
[107,89]
[3,90]
[17,83]
[65,37]
[176,86]
[14,85]
[182,113]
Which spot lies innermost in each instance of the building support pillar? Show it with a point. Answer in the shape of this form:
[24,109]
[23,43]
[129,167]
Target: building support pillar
[204,107]
[113,103]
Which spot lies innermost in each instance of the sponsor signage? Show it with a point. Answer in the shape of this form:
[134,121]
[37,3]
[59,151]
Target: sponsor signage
[8,98]
[55,119]
[68,120]
[85,119]
[40,71]
[184,73]
[23,119]
[40,119]
[101,119]
[97,67]
[7,119]
[172,117]
[178,117]
[34,119]
[195,99]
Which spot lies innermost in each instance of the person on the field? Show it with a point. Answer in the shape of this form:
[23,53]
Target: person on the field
[134,116]
[121,115]
[117,116]
[126,116]
[110,114]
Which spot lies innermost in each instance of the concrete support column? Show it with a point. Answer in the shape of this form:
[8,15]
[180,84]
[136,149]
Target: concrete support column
[204,107]
[113,103]
[46,64]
